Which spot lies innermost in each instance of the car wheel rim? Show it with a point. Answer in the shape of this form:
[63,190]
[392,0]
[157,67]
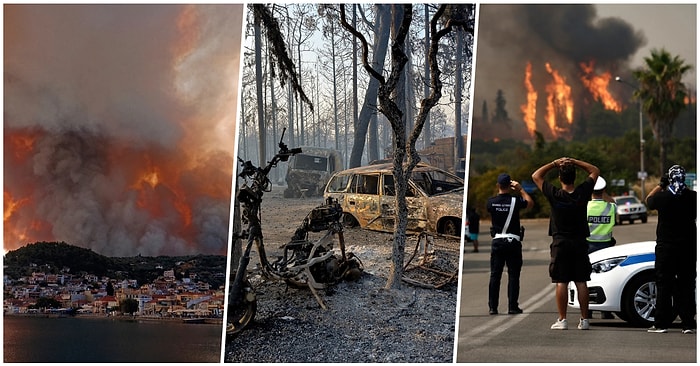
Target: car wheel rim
[645,301]
[451,228]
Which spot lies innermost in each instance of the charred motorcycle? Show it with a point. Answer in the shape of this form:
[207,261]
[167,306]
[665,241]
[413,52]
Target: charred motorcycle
[303,262]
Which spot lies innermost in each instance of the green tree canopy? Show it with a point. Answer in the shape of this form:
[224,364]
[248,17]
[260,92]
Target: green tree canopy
[663,96]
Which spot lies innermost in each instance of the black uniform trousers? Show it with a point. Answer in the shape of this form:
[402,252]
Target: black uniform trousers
[505,252]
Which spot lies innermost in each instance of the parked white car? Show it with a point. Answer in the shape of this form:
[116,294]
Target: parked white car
[622,282]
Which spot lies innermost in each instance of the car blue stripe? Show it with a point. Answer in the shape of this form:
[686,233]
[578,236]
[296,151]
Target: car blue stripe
[639,258]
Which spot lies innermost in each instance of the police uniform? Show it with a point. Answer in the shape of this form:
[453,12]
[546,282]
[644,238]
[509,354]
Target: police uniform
[601,220]
[506,246]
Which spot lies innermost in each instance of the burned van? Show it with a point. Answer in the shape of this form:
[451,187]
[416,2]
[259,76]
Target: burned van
[367,196]
[309,171]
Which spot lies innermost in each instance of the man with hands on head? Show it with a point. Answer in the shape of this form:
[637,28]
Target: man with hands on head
[568,227]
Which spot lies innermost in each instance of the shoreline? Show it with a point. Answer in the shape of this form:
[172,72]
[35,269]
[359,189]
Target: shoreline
[130,318]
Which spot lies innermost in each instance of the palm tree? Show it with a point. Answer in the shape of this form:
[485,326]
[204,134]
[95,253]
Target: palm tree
[662,94]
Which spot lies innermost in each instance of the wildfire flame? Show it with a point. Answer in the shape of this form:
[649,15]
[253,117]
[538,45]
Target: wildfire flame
[559,102]
[597,85]
[529,109]
[559,114]
[147,193]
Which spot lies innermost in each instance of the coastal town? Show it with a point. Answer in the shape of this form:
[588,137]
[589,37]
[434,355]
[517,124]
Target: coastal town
[170,296]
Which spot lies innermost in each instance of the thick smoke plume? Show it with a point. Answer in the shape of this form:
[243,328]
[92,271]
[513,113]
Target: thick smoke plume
[119,126]
[511,36]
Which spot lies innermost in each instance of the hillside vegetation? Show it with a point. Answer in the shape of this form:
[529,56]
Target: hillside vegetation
[57,257]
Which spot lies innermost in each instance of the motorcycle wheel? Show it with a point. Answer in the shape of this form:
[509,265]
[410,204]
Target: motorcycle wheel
[240,315]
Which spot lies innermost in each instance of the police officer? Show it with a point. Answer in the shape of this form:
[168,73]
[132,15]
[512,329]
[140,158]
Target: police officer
[506,246]
[601,218]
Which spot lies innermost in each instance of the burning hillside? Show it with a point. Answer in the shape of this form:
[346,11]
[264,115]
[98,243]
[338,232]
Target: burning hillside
[550,61]
[119,126]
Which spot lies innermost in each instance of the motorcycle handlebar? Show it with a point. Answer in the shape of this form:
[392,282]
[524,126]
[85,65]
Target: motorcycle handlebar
[249,169]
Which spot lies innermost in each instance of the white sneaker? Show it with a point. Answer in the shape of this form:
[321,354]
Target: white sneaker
[583,324]
[654,329]
[560,325]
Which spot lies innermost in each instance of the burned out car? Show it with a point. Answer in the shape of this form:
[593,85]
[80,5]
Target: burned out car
[367,196]
[309,171]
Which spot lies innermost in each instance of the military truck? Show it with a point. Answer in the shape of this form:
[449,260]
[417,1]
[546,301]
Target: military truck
[309,171]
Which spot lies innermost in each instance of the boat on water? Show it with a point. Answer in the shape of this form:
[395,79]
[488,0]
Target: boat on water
[194,320]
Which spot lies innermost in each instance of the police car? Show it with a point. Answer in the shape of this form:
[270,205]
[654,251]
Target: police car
[622,282]
[630,208]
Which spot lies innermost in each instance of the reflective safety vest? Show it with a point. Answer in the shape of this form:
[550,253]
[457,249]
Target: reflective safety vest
[601,220]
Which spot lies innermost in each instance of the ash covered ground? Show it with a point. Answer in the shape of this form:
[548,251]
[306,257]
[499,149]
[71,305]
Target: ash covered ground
[363,321]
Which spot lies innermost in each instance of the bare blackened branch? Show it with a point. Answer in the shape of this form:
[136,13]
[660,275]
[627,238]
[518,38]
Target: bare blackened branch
[279,55]
[365,46]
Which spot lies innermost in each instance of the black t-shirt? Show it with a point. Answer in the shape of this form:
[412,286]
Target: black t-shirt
[499,206]
[677,215]
[569,217]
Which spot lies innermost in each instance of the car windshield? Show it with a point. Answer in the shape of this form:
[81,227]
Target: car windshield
[339,183]
[310,162]
[627,200]
[434,182]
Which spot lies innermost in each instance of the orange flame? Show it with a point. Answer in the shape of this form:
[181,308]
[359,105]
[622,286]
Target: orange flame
[559,102]
[11,205]
[597,85]
[22,143]
[21,229]
[529,109]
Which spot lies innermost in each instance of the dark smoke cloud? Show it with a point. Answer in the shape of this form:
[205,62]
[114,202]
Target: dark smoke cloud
[576,32]
[108,86]
[510,36]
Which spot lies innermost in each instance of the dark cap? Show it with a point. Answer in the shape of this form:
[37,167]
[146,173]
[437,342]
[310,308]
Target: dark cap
[504,179]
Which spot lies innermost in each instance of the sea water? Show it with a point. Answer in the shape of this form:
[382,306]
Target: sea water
[103,339]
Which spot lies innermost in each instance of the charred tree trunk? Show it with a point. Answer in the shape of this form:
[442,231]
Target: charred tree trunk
[459,145]
[388,107]
[427,137]
[259,90]
[369,106]
[273,118]
[354,75]
[405,154]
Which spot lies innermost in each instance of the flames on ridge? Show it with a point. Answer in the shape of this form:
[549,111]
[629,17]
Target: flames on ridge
[551,63]
[112,197]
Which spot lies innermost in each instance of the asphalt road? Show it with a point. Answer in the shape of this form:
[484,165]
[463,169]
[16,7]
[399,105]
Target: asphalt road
[527,338]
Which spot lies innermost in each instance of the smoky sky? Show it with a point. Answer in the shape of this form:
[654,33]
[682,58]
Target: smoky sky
[109,92]
[510,36]
[576,31]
